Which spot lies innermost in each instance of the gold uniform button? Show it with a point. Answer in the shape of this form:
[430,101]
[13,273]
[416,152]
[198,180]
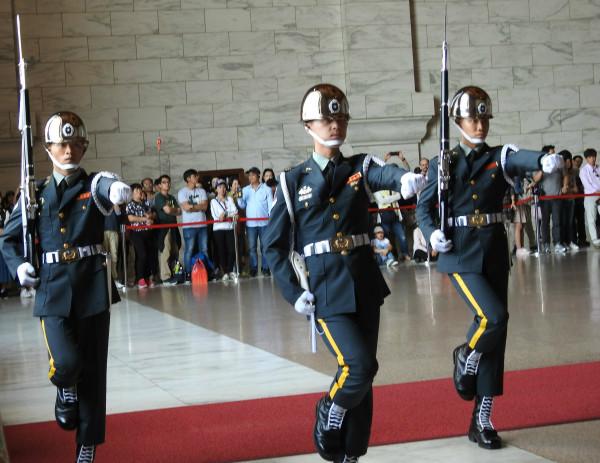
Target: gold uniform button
[306,204]
[344,252]
[476,211]
[61,215]
[336,216]
[66,245]
[475,196]
[63,230]
[356,188]
[473,182]
[84,207]
[493,175]
[339,234]
[332,200]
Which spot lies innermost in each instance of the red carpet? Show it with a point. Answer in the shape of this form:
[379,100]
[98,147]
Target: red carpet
[279,426]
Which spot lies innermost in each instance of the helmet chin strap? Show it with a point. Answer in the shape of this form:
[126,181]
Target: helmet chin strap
[328,143]
[475,141]
[60,165]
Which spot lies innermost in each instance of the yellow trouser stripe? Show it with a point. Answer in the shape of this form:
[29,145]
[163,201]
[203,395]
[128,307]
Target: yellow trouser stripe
[340,359]
[52,368]
[471,298]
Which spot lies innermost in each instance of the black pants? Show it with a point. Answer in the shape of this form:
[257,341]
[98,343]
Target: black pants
[78,351]
[145,253]
[579,221]
[225,248]
[486,294]
[352,339]
[551,208]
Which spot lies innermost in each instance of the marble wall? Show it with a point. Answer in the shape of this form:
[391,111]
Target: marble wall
[219,81]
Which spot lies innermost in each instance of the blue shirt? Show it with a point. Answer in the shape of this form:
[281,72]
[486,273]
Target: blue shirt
[257,204]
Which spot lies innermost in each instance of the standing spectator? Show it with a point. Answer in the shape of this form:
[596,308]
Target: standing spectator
[569,187]
[579,213]
[424,166]
[551,186]
[8,201]
[590,178]
[391,219]
[112,223]
[194,202]
[148,190]
[257,200]
[222,208]
[268,178]
[168,239]
[139,213]
[382,248]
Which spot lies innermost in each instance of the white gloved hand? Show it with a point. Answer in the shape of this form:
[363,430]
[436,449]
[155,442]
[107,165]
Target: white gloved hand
[27,276]
[305,303]
[119,193]
[552,163]
[412,184]
[439,242]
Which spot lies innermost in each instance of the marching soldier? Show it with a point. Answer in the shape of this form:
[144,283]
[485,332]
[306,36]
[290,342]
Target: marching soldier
[73,286]
[330,196]
[475,252]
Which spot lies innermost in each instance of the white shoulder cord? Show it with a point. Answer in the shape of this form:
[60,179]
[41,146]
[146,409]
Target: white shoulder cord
[94,189]
[296,259]
[366,163]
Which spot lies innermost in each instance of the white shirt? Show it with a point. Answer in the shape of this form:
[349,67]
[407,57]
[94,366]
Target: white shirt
[217,207]
[590,178]
[192,196]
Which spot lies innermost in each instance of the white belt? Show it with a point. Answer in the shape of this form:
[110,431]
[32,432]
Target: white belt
[341,244]
[476,220]
[72,254]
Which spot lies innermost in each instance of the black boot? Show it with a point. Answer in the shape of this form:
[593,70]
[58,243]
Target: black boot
[463,383]
[328,440]
[346,459]
[482,431]
[66,408]
[85,453]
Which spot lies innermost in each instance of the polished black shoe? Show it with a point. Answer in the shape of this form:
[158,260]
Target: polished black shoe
[327,441]
[266,273]
[484,435]
[85,453]
[66,408]
[464,384]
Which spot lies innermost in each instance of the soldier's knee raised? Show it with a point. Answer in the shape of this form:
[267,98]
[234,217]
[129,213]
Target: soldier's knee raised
[67,370]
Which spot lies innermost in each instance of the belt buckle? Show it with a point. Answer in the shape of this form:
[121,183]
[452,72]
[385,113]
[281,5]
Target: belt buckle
[476,220]
[342,244]
[68,255]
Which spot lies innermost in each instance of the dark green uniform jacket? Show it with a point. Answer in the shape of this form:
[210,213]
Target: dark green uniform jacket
[339,282]
[476,190]
[79,287]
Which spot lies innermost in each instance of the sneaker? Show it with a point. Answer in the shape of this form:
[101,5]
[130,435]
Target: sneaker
[3,293]
[170,282]
[27,292]
[559,249]
[522,252]
[388,263]
[573,247]
[225,277]
[545,249]
[394,263]
[85,453]
[119,285]
[142,283]
[266,273]
[232,276]
[596,243]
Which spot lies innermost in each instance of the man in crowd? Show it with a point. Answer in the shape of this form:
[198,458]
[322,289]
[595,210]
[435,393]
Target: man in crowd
[551,208]
[194,203]
[74,293]
[590,178]
[257,199]
[168,239]
[424,166]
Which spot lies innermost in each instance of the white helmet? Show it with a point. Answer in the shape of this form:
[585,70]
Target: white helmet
[324,101]
[65,127]
[472,102]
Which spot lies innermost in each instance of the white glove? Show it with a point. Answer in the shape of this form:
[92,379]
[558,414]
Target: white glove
[304,305]
[412,184]
[552,163]
[119,193]
[27,276]
[439,242]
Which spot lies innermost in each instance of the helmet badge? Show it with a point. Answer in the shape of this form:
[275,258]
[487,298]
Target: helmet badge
[68,130]
[481,108]
[334,106]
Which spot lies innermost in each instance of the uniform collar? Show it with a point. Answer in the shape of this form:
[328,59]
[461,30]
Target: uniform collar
[71,178]
[322,160]
[467,149]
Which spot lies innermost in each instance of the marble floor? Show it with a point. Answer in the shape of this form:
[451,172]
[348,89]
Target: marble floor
[176,346]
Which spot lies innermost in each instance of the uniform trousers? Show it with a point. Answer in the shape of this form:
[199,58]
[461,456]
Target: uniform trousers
[78,351]
[352,339]
[486,294]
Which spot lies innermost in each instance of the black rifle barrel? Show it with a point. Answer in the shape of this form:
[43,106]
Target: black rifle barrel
[444,157]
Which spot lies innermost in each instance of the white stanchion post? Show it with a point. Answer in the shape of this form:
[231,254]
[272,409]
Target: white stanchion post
[235,242]
[124,247]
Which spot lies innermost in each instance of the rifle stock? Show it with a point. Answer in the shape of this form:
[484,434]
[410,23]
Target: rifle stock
[444,157]
[28,197]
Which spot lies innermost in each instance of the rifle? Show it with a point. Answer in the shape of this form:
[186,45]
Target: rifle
[27,188]
[444,157]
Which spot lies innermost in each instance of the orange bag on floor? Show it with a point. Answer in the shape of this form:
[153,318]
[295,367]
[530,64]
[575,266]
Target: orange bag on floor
[199,274]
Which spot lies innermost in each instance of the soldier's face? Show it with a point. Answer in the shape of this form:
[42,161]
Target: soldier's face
[475,128]
[329,129]
[67,153]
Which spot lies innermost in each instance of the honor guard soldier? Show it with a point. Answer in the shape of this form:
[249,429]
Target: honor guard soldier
[329,196]
[73,284]
[474,253]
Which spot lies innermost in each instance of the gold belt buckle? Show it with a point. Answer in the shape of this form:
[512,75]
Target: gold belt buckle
[477,220]
[68,255]
[342,244]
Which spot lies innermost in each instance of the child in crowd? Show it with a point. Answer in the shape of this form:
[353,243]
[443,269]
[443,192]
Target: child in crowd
[382,248]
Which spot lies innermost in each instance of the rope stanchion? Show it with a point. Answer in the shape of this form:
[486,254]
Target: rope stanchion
[124,250]
[235,243]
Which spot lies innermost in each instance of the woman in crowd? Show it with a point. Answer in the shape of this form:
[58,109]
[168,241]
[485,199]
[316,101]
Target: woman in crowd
[139,213]
[223,209]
